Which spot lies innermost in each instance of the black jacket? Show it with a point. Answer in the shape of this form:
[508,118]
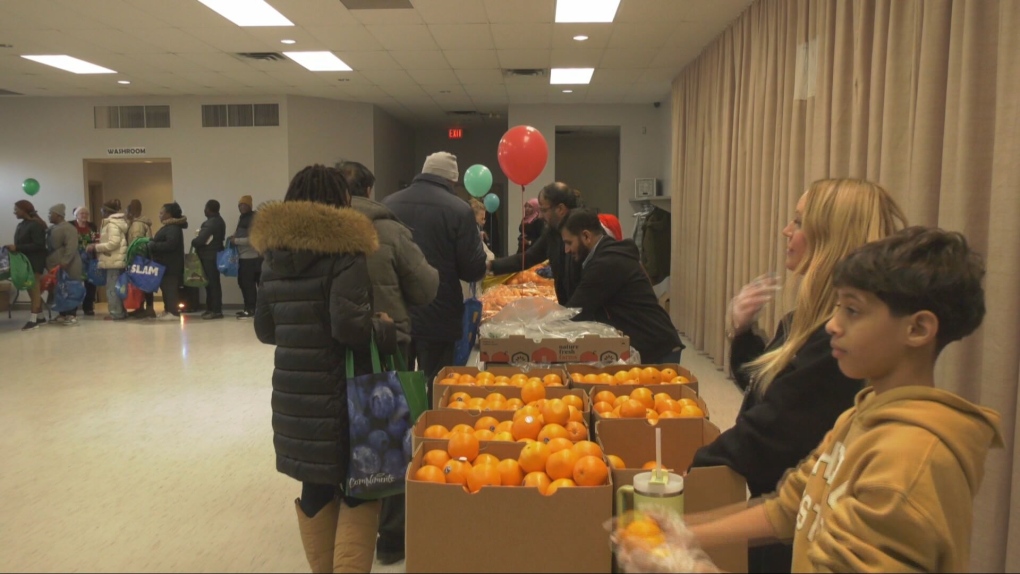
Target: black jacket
[566,271]
[315,302]
[30,239]
[615,290]
[530,233]
[215,228]
[443,226]
[167,246]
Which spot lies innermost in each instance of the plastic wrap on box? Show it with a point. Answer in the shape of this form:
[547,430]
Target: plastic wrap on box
[538,318]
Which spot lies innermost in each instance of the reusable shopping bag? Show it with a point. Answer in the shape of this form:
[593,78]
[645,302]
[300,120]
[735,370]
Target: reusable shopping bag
[138,247]
[471,320]
[93,274]
[194,275]
[49,279]
[22,275]
[227,261]
[145,274]
[68,294]
[132,296]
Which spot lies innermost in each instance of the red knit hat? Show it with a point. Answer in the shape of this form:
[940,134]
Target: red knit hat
[612,225]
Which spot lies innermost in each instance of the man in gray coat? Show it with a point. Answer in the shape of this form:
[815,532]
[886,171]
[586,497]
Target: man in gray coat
[401,278]
[62,248]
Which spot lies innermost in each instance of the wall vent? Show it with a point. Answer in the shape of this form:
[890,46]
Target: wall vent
[240,115]
[261,56]
[126,117]
[524,72]
[377,4]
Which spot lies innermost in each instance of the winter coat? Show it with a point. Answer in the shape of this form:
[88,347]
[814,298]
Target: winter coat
[138,228]
[209,241]
[62,243]
[30,240]
[167,246]
[87,234]
[113,244]
[315,302]
[655,245]
[244,248]
[614,289]
[401,277]
[443,226]
[566,271]
[530,233]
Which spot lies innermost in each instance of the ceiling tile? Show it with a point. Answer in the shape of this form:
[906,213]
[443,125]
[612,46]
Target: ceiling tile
[50,15]
[388,77]
[350,37]
[375,17]
[643,35]
[171,40]
[232,39]
[576,57]
[271,36]
[522,35]
[377,60]
[616,75]
[403,36]
[627,58]
[462,36]
[421,60]
[598,35]
[115,41]
[673,58]
[489,77]
[471,59]
[502,11]
[485,90]
[524,58]
[426,77]
[222,61]
[315,13]
[182,14]
[658,74]
[451,11]
[113,13]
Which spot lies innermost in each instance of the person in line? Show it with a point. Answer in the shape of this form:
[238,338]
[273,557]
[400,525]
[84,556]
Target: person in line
[611,224]
[891,486]
[87,233]
[554,204]
[138,228]
[62,244]
[401,278]
[445,230]
[615,290]
[30,240]
[795,389]
[313,306]
[531,227]
[479,210]
[167,249]
[112,249]
[207,243]
[249,271]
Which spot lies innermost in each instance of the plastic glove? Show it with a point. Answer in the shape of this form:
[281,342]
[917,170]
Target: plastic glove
[744,308]
[675,551]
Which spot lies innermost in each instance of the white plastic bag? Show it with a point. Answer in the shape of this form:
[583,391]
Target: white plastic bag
[662,544]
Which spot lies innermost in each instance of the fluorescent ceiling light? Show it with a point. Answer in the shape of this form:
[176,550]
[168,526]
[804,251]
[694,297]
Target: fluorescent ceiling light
[248,12]
[70,64]
[319,61]
[124,82]
[288,41]
[568,91]
[571,75]
[581,38]
[586,10]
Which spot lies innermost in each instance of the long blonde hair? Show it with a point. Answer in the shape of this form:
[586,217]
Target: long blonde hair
[839,216]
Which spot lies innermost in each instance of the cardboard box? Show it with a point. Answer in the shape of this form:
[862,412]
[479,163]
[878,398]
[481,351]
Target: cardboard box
[450,418]
[505,528]
[519,349]
[705,489]
[675,391]
[510,393]
[613,369]
[498,370]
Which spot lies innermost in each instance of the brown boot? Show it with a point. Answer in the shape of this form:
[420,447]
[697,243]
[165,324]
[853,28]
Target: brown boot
[317,536]
[354,549]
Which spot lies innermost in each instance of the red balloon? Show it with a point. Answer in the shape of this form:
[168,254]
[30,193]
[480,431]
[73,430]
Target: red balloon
[522,154]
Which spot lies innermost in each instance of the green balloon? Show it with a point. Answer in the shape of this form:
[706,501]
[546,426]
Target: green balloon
[30,186]
[491,202]
[478,180]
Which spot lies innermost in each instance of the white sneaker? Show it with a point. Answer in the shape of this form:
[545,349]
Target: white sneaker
[168,317]
[60,320]
[70,322]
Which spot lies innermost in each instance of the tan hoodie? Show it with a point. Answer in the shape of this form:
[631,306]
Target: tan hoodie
[891,487]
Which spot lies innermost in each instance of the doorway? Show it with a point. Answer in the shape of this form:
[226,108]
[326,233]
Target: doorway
[588,159]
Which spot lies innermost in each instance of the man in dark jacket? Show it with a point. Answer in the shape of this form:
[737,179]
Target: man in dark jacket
[167,249]
[554,204]
[443,226]
[249,268]
[30,240]
[614,289]
[207,244]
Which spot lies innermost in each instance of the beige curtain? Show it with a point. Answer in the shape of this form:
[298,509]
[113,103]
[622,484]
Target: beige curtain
[922,96]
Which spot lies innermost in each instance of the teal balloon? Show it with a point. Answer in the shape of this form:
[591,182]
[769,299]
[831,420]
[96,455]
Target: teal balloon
[478,180]
[30,186]
[491,203]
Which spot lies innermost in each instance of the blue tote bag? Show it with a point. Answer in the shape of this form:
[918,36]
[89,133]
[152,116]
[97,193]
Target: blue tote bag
[228,261]
[145,274]
[69,293]
[470,322]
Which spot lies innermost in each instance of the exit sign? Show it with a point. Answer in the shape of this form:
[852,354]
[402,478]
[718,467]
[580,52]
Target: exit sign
[455,133]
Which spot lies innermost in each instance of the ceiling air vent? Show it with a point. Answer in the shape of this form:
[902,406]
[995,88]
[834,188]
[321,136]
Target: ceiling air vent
[4,92]
[377,4]
[262,56]
[524,72]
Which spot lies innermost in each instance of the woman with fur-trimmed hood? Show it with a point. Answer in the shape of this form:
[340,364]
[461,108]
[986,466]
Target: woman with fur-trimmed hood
[315,302]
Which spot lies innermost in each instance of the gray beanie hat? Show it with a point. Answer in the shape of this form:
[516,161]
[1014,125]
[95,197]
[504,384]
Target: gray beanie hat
[443,164]
[59,209]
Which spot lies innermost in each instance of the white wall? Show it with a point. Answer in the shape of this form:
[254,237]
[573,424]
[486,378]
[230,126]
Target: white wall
[394,154]
[327,131]
[641,140]
[149,183]
[591,165]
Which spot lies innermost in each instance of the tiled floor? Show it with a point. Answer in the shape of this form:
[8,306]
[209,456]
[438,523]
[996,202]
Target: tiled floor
[146,446]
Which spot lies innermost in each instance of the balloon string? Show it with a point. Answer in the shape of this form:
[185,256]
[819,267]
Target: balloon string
[523,230]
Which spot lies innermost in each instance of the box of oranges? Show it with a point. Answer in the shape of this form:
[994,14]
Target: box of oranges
[496,376]
[438,424]
[587,376]
[653,403]
[537,523]
[629,445]
[519,349]
[537,412]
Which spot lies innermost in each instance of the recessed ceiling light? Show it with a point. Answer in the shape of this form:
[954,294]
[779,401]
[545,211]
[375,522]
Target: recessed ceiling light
[581,38]
[319,61]
[125,82]
[571,75]
[586,10]
[248,12]
[568,91]
[70,64]
[288,41]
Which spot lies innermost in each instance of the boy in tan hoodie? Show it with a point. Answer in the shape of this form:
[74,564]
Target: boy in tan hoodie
[891,486]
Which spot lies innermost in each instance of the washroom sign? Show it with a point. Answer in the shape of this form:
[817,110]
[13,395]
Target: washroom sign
[125,151]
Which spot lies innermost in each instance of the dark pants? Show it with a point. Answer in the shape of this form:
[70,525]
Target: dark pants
[213,291]
[391,514]
[315,497]
[249,274]
[772,558]
[171,288]
[89,304]
[431,356]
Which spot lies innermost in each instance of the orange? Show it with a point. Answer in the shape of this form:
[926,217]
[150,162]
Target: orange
[436,431]
[616,461]
[449,381]
[539,404]
[459,405]
[644,396]
[669,415]
[503,426]
[518,380]
[532,391]
[620,400]
[590,378]
[496,405]
[602,406]
[667,405]
[501,380]
[635,373]
[558,444]
[534,456]
[526,440]
[577,431]
[460,396]
[610,415]
[501,384]
[467,379]
[463,446]
[590,471]
[659,397]
[632,409]
[604,396]
[510,473]
[486,374]
[456,471]
[650,465]
[476,403]
[650,376]
[526,427]
[667,374]
[514,404]
[483,475]
[552,431]
[587,448]
[555,385]
[691,411]
[620,377]
[561,464]
[651,414]
[535,380]
[606,378]
[504,436]
[527,411]
[552,379]
[495,396]
[558,484]
[437,458]
[615,412]
[573,401]
[484,434]
[682,380]
[539,480]
[555,411]
[576,415]
[644,533]
[462,428]
[430,473]
[684,402]
[486,458]
[576,377]
[487,423]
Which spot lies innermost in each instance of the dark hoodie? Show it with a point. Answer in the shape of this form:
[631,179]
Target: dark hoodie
[167,246]
[315,302]
[614,289]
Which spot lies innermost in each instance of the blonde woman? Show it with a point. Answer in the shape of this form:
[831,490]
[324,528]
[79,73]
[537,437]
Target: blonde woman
[795,390]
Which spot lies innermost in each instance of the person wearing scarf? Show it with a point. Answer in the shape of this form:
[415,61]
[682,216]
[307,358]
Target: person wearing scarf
[531,226]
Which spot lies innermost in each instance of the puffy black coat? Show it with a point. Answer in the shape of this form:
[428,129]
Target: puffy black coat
[167,246]
[566,272]
[30,240]
[209,240]
[315,302]
[444,227]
